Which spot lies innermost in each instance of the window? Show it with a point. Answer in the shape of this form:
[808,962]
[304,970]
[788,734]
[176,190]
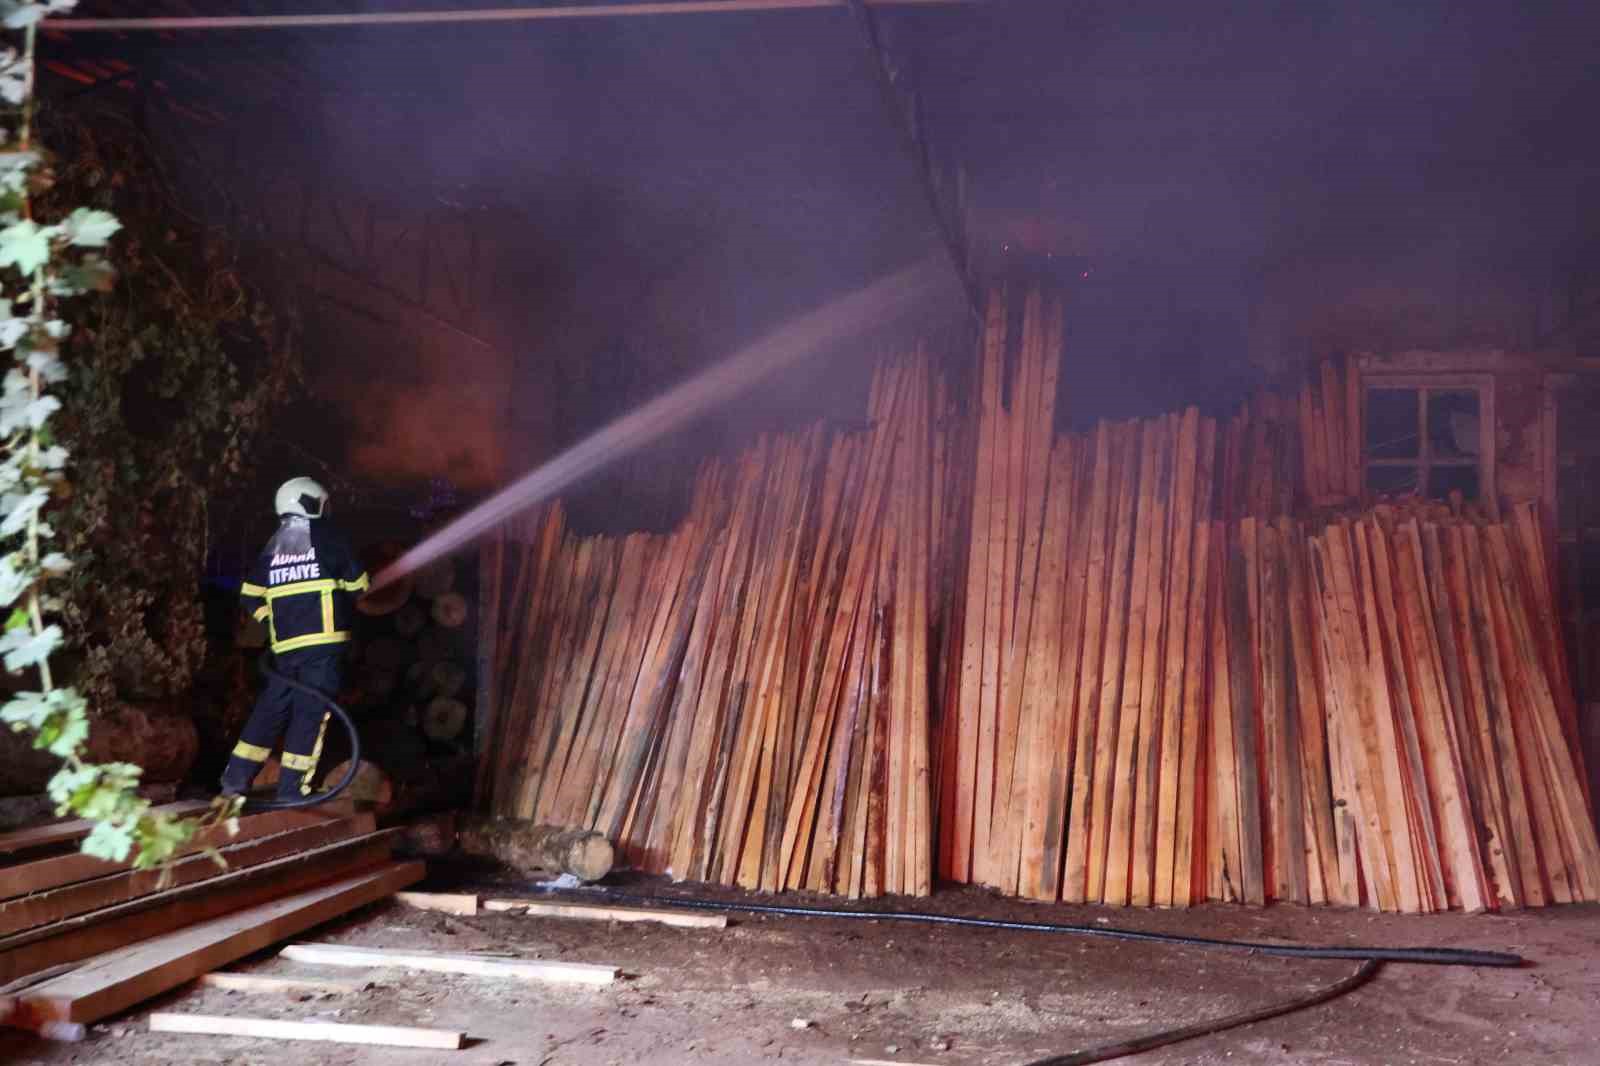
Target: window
[1429,436]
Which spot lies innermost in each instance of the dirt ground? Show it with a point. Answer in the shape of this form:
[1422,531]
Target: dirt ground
[831,991]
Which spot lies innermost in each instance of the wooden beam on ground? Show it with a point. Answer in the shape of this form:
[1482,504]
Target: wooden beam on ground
[42,874]
[41,908]
[681,919]
[331,1032]
[116,981]
[254,982]
[580,973]
[45,836]
[444,902]
[115,927]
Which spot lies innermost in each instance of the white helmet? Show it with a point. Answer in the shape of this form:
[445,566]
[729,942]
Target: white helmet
[302,496]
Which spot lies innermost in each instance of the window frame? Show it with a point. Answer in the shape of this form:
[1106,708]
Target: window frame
[1424,383]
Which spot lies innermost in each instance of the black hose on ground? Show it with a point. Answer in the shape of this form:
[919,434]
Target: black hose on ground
[264,664]
[1371,958]
[1139,1044]
[1435,956]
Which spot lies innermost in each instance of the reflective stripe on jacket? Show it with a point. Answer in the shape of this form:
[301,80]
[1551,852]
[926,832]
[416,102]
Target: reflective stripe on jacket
[306,595]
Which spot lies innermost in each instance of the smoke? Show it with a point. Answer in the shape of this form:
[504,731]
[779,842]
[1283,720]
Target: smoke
[821,330]
[1224,190]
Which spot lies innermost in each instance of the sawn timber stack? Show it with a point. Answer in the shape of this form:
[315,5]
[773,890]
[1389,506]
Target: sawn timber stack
[98,937]
[1161,661]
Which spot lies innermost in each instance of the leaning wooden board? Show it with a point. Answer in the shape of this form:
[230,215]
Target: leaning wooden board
[119,979]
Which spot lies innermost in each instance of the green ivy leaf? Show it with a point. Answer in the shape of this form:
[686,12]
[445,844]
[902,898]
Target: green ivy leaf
[14,581]
[20,14]
[109,840]
[159,837]
[89,228]
[68,736]
[24,648]
[24,245]
[71,781]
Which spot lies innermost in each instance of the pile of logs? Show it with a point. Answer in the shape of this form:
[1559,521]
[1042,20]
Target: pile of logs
[1104,667]
[413,654]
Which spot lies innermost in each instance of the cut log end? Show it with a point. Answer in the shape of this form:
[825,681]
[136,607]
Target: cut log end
[524,846]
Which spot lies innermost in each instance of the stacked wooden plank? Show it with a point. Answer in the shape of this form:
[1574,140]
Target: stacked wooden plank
[1282,454]
[1149,711]
[1457,756]
[1328,419]
[1073,744]
[748,698]
[81,938]
[1103,667]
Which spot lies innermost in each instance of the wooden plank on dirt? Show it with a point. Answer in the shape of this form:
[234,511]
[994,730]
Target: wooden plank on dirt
[594,913]
[328,1032]
[571,973]
[291,986]
[116,981]
[443,902]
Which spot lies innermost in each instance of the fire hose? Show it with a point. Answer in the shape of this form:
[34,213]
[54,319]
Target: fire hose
[1370,958]
[333,709]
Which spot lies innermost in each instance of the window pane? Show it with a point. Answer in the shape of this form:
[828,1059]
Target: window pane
[1391,424]
[1453,424]
[1392,480]
[1443,480]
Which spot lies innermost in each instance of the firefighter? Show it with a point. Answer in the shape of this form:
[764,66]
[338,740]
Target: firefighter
[304,586]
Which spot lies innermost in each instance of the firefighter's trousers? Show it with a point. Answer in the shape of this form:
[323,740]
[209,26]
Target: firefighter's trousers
[300,718]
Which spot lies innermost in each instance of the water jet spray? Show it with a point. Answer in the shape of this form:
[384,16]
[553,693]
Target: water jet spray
[877,304]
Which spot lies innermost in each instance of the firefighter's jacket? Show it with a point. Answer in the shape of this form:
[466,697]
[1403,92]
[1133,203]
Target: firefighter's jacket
[304,585]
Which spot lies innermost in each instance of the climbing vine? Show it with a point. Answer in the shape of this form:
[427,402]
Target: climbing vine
[44,263]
